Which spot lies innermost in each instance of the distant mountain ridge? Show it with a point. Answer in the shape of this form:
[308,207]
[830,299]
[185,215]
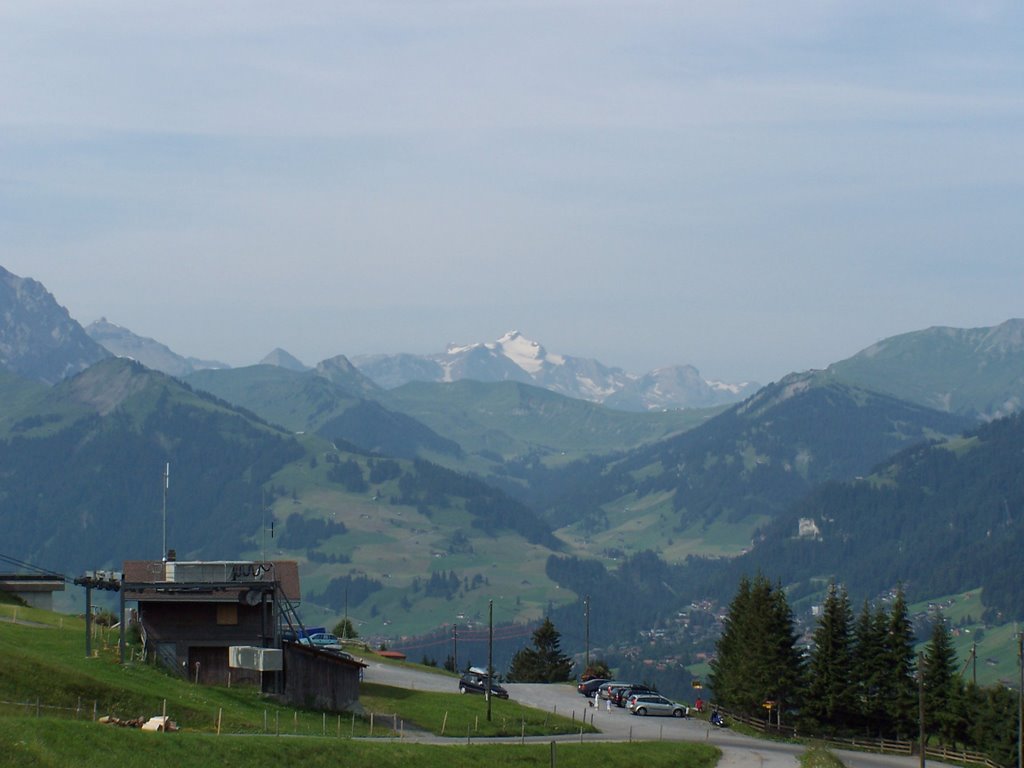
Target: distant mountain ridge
[38,338]
[513,357]
[974,371]
[122,342]
[755,458]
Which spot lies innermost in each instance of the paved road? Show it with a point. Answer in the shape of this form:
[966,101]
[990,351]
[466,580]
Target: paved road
[738,751]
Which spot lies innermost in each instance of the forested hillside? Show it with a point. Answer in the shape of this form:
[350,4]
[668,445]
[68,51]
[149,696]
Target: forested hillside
[81,479]
[754,459]
[939,518]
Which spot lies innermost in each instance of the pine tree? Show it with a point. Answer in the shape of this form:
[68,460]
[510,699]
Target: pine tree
[942,686]
[545,662]
[870,671]
[900,692]
[756,658]
[728,668]
[829,698]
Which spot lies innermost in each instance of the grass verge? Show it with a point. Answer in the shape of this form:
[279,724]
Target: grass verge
[451,714]
[47,743]
[819,757]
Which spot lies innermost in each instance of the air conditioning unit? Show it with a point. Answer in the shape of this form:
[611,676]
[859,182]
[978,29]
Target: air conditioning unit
[258,659]
[242,656]
[269,659]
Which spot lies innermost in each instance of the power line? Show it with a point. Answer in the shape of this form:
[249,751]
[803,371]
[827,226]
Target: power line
[34,568]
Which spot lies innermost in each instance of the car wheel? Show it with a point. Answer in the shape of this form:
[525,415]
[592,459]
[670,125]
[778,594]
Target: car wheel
[678,713]
[641,711]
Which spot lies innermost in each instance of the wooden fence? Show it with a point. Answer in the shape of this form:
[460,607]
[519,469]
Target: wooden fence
[887,746]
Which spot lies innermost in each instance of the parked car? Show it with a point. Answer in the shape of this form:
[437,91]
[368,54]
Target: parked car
[322,640]
[620,696]
[587,687]
[656,704]
[475,681]
[605,689]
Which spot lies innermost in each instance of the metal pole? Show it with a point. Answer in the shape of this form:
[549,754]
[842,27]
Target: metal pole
[1020,702]
[920,706]
[586,635]
[455,647]
[120,641]
[167,484]
[490,653]
[88,621]
[974,663]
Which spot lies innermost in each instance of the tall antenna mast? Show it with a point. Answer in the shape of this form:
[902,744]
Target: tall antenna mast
[263,520]
[167,484]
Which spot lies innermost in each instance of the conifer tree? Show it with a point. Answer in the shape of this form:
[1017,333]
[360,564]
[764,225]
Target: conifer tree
[545,662]
[900,692]
[829,698]
[756,657]
[942,688]
[870,671]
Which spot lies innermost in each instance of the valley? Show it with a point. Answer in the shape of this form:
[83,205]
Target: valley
[410,507]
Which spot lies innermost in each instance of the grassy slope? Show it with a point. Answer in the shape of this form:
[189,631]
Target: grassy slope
[395,544]
[996,645]
[45,666]
[514,419]
[56,744]
[635,525]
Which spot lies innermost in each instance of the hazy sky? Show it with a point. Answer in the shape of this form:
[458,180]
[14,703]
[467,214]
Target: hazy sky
[752,188]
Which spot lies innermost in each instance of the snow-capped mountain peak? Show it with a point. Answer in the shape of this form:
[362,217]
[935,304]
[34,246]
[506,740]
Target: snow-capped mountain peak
[526,354]
[514,357]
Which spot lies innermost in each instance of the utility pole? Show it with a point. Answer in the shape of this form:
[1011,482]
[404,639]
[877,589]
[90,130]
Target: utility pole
[586,633]
[167,484]
[344,625]
[490,653]
[920,706]
[1020,700]
[455,648]
[974,663]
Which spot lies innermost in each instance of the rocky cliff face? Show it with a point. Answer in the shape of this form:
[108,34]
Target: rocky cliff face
[38,338]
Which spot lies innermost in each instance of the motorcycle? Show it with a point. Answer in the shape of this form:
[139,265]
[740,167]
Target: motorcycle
[717,720]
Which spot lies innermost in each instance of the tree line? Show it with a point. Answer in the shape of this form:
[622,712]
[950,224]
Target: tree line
[860,674]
